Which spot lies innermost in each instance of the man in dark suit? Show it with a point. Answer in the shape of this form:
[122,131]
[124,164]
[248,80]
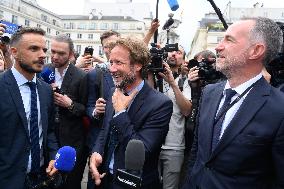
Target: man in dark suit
[71,105]
[241,146]
[27,143]
[143,115]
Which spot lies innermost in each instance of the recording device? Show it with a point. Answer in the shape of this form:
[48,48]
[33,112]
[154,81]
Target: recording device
[130,177]
[169,22]
[206,69]
[276,70]
[173,4]
[9,31]
[47,75]
[158,55]
[88,51]
[64,161]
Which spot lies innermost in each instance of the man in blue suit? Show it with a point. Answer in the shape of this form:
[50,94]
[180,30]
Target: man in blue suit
[27,144]
[241,146]
[135,111]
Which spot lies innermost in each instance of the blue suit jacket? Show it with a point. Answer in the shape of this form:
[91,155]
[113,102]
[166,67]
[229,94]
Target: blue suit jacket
[14,141]
[251,151]
[98,86]
[146,120]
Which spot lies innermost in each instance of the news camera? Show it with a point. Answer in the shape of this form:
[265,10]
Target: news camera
[9,31]
[206,69]
[158,55]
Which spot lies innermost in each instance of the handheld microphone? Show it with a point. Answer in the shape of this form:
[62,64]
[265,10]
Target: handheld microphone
[173,4]
[64,161]
[130,177]
[47,75]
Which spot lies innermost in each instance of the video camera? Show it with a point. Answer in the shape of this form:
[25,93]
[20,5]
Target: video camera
[206,69]
[158,55]
[9,31]
[276,69]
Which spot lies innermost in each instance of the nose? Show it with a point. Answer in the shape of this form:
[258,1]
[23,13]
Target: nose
[43,54]
[219,47]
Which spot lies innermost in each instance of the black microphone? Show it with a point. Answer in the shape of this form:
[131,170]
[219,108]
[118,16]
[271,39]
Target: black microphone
[130,177]
[169,22]
[64,161]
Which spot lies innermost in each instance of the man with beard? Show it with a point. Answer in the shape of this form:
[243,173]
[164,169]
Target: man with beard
[172,153]
[240,126]
[136,111]
[28,144]
[70,96]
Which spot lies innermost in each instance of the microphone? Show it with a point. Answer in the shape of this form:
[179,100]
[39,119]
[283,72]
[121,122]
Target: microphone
[130,177]
[173,4]
[47,75]
[64,161]
[169,22]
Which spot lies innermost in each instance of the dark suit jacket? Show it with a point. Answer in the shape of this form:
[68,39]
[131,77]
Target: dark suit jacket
[71,131]
[147,120]
[251,151]
[100,83]
[14,141]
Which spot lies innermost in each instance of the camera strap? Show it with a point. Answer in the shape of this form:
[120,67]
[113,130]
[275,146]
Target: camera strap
[221,114]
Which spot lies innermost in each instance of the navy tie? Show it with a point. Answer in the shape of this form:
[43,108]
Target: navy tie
[34,131]
[218,126]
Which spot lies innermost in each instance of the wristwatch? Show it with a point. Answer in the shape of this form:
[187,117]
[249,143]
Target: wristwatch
[70,108]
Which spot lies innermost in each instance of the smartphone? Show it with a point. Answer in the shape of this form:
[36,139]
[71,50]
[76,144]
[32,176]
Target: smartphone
[88,51]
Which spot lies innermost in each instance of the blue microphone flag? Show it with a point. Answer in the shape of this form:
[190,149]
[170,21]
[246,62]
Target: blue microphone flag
[65,159]
[173,4]
[47,75]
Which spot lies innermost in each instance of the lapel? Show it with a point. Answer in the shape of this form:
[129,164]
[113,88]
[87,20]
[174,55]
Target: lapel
[138,101]
[250,106]
[208,113]
[43,107]
[17,98]
[67,78]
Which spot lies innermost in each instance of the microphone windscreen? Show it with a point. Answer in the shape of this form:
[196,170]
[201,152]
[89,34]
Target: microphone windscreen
[47,75]
[173,4]
[65,159]
[134,155]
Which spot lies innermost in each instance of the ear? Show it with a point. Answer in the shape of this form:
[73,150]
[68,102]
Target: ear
[257,51]
[14,52]
[137,67]
[71,54]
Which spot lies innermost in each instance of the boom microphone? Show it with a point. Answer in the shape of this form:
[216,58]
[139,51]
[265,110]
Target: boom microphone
[130,177]
[64,161]
[47,75]
[173,4]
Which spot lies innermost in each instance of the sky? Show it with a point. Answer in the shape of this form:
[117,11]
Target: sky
[192,11]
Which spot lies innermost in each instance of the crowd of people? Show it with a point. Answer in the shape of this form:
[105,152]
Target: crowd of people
[224,132]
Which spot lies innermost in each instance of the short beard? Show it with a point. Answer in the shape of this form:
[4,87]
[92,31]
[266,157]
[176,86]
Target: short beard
[127,80]
[27,67]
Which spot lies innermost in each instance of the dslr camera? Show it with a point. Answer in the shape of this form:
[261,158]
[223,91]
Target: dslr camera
[9,31]
[159,55]
[206,69]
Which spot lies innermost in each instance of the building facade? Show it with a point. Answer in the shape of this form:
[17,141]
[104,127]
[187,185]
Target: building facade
[84,30]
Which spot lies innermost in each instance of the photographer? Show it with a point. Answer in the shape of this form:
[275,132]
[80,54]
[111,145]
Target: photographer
[172,153]
[5,56]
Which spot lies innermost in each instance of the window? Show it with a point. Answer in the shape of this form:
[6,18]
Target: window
[132,26]
[101,52]
[68,34]
[104,26]
[93,26]
[78,48]
[48,30]
[38,25]
[43,17]
[47,44]
[14,19]
[54,22]
[115,26]
[90,36]
[27,23]
[57,32]
[79,36]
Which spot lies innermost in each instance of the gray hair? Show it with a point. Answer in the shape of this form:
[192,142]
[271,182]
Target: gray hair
[65,39]
[268,32]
